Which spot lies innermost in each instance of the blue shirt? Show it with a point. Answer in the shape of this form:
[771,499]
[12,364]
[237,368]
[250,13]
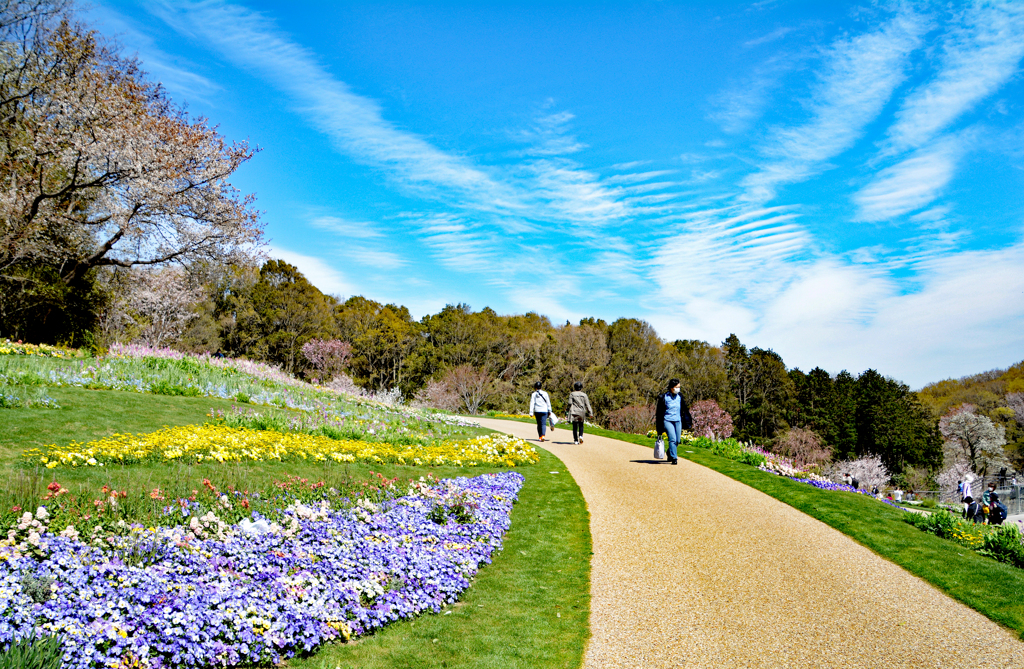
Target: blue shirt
[672,407]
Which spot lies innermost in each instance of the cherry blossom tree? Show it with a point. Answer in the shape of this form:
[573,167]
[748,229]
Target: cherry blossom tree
[329,357]
[99,168]
[869,471]
[152,306]
[1015,401]
[437,395]
[164,301]
[955,472]
[710,420]
[803,446]
[974,439]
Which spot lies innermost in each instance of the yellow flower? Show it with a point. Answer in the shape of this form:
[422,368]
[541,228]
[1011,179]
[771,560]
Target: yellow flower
[228,444]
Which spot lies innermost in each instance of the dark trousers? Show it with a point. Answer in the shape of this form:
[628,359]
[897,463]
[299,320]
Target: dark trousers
[542,423]
[577,429]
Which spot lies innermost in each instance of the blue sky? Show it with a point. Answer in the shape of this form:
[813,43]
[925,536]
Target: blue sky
[841,182]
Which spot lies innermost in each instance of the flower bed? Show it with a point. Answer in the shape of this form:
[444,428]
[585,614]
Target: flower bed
[8,347]
[253,593]
[221,443]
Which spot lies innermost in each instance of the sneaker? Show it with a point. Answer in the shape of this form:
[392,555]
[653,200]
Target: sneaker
[576,442]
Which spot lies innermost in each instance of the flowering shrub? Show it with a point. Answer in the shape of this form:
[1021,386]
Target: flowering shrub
[869,471]
[803,446]
[634,419]
[711,420]
[220,443]
[255,592]
[329,357]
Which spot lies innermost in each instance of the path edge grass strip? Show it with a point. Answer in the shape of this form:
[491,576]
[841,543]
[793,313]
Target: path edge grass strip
[994,589]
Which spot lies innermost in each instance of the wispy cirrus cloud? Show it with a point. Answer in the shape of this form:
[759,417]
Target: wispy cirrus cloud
[857,78]
[911,184]
[980,54]
[177,76]
[355,123]
[740,105]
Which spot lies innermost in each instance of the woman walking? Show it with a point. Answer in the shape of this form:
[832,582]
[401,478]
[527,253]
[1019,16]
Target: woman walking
[540,407]
[672,417]
[579,409]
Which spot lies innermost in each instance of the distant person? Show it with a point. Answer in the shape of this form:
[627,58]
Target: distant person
[898,493]
[967,487]
[847,479]
[996,510]
[672,417]
[985,496]
[855,483]
[579,409]
[540,407]
[973,511]
[960,490]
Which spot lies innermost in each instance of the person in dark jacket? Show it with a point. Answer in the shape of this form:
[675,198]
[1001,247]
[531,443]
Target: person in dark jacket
[996,509]
[672,417]
[973,511]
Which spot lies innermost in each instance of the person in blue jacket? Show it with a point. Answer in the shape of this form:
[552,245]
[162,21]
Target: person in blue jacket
[672,417]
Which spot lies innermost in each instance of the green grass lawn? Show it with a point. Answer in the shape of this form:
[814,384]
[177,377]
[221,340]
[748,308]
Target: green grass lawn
[529,608]
[992,588]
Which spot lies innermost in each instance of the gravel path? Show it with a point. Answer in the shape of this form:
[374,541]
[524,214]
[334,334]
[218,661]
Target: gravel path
[678,583]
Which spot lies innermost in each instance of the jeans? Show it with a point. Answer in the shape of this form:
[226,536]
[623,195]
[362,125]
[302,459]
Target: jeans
[673,430]
[577,429]
[542,423]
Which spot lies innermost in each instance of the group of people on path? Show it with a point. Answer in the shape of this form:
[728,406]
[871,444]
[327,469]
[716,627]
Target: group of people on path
[672,415]
[579,409]
[986,510]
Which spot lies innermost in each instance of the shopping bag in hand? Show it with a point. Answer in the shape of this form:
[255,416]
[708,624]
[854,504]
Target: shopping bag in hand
[659,448]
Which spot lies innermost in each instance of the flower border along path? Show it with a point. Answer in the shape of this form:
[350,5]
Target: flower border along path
[681,579]
[528,609]
[257,592]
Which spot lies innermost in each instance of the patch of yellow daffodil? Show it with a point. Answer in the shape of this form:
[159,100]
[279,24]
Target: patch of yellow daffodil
[8,347]
[220,443]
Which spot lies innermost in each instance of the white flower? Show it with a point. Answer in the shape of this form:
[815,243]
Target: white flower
[42,513]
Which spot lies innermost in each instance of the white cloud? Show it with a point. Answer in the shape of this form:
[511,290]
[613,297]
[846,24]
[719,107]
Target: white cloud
[319,273]
[965,315]
[910,185]
[345,227]
[179,77]
[774,35]
[355,123]
[979,56]
[859,76]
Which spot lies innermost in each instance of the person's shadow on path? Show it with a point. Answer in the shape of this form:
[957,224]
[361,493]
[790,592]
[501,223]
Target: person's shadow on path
[651,462]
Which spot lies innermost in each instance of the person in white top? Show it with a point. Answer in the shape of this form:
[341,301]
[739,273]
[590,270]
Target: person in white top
[540,407]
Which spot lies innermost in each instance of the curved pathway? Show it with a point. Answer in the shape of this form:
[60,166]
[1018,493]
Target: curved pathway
[678,582]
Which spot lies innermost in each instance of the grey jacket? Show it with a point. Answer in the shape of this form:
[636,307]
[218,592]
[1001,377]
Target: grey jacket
[579,405]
